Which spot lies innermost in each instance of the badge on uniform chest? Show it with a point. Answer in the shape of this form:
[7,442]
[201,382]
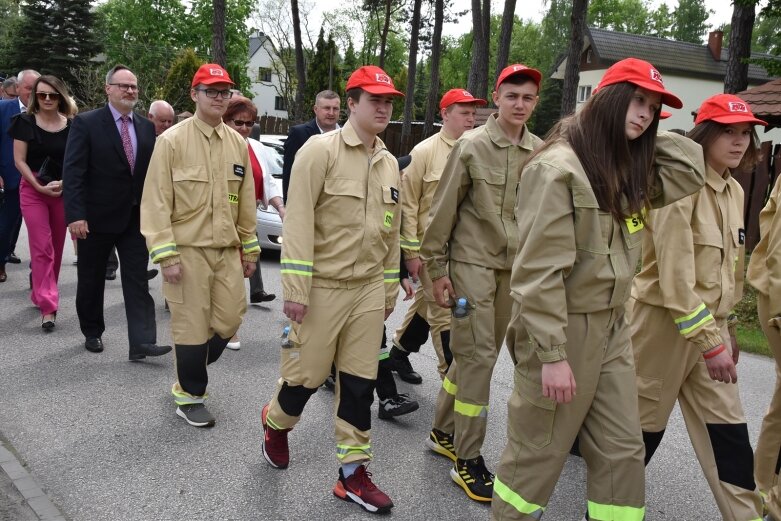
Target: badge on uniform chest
[741,236]
[238,170]
[394,195]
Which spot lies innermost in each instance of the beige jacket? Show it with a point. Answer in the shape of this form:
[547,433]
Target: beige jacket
[343,217]
[472,216]
[418,184]
[764,268]
[693,260]
[199,192]
[576,258]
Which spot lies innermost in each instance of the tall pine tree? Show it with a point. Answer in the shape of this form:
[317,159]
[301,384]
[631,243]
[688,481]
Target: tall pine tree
[324,71]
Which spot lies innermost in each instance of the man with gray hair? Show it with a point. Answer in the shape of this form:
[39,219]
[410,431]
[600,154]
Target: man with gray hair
[162,114]
[9,88]
[326,109]
[105,165]
[10,213]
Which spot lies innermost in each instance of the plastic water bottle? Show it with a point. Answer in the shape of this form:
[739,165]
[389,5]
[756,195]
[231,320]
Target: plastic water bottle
[461,308]
[286,342]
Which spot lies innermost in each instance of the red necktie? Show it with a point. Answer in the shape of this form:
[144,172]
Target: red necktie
[127,144]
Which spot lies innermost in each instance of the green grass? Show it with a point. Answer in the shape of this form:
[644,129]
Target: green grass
[751,339]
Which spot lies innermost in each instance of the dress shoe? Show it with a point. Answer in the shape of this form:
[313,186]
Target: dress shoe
[150,274]
[94,344]
[13,259]
[3,276]
[141,351]
[111,274]
[261,296]
[48,325]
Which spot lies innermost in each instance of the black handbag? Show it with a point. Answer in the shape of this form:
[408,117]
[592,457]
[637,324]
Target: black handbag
[51,170]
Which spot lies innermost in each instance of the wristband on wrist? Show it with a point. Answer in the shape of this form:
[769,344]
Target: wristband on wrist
[716,351]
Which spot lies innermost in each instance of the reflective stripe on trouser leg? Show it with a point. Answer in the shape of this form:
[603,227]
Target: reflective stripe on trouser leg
[475,343]
[767,458]
[443,414]
[356,363]
[774,501]
[540,433]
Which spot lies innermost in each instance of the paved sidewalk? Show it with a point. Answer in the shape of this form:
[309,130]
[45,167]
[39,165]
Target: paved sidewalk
[21,498]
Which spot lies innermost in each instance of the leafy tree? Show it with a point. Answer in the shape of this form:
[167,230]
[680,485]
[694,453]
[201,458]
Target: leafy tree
[10,13]
[690,21]
[176,89]
[324,70]
[626,16]
[660,22]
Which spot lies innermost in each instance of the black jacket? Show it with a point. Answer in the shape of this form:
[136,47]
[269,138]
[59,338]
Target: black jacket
[296,137]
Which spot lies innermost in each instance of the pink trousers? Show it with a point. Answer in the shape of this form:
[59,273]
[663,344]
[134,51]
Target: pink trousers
[44,217]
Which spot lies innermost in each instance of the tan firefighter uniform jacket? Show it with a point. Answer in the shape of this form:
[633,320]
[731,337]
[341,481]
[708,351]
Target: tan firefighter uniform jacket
[199,192]
[764,268]
[418,185]
[343,217]
[472,217]
[575,257]
[701,260]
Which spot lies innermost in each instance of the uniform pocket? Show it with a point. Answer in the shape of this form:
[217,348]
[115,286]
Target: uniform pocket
[191,188]
[390,200]
[708,252]
[462,335]
[488,191]
[344,202]
[538,412]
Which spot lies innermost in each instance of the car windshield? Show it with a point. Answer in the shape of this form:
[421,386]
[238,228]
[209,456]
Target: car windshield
[275,158]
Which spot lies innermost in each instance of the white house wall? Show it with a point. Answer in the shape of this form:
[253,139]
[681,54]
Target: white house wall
[264,94]
[691,91]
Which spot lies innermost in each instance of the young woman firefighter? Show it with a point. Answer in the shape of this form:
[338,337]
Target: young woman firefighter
[682,334]
[581,211]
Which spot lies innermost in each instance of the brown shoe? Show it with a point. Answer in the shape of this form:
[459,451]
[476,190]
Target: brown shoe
[3,276]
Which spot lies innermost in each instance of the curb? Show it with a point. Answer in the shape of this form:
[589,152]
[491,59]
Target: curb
[25,484]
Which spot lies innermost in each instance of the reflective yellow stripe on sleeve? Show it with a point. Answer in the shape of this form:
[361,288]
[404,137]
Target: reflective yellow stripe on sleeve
[162,251]
[514,499]
[297,267]
[697,318]
[250,246]
[392,275]
[615,512]
[410,244]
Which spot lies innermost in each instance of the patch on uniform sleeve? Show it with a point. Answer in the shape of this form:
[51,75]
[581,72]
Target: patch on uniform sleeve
[394,194]
[238,170]
[741,236]
[233,198]
[634,224]
[389,219]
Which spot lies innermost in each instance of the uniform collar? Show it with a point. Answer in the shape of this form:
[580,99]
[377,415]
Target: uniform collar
[207,129]
[350,138]
[496,134]
[715,181]
[448,140]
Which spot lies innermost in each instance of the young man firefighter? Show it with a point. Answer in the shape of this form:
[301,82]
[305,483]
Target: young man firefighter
[198,217]
[469,247]
[457,108]
[340,277]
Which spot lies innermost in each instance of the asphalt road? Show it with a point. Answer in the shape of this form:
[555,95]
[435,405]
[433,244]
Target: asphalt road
[100,434]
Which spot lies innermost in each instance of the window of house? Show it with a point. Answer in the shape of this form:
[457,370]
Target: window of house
[584,93]
[279,103]
[264,74]
[589,56]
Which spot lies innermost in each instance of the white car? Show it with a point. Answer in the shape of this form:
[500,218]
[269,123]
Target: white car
[269,223]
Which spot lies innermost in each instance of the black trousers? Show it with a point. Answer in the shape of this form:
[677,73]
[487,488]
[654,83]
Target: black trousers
[139,305]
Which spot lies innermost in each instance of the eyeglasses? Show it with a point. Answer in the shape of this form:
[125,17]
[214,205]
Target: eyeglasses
[126,86]
[213,93]
[48,95]
[240,123]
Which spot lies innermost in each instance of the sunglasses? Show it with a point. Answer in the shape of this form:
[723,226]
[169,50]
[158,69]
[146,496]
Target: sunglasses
[240,123]
[48,95]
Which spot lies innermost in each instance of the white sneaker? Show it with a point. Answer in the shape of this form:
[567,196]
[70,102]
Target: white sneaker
[234,345]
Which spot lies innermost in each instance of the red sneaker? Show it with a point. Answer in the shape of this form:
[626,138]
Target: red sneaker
[274,443]
[359,488]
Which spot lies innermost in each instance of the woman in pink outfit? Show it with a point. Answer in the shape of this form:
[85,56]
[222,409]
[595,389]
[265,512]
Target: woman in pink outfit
[39,136]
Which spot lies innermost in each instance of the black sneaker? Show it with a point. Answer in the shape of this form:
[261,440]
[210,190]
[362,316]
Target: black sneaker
[13,259]
[400,363]
[397,406]
[196,414]
[474,478]
[261,296]
[441,443]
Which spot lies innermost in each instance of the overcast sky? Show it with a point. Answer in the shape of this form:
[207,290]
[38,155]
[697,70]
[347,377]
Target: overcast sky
[529,9]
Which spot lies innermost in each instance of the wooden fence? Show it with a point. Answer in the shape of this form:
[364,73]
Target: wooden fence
[756,186]
[399,146]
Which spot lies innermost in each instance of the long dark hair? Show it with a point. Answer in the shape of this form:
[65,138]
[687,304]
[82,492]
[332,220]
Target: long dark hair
[707,132]
[619,170]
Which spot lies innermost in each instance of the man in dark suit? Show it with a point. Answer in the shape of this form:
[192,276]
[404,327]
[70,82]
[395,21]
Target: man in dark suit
[327,105]
[10,213]
[106,159]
